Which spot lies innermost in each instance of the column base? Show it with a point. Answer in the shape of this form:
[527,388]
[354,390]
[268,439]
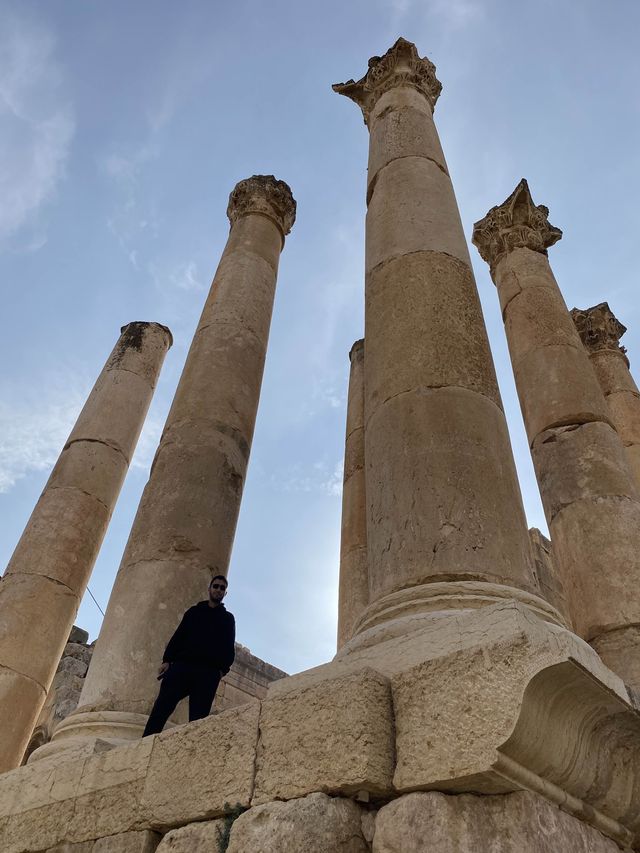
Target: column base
[414,607]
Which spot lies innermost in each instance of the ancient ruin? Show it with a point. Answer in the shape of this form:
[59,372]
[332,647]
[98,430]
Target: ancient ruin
[484,692]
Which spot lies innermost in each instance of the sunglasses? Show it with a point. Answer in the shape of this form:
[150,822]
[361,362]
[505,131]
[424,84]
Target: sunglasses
[217,586]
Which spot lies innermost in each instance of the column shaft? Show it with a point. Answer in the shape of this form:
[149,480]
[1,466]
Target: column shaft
[354,575]
[184,528]
[445,515]
[50,568]
[600,333]
[590,501]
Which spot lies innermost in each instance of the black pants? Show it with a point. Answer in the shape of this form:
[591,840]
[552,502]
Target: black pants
[197,682]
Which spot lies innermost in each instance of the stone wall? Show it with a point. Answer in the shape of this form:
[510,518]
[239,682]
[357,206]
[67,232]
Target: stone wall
[248,679]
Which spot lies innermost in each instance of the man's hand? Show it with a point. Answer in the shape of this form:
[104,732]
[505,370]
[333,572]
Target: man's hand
[163,668]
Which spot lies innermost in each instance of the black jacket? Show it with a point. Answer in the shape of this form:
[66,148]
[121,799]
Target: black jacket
[206,635]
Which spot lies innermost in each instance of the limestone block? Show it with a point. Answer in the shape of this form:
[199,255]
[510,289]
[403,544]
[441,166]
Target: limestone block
[18,692]
[599,533]
[202,837]
[438,293]
[517,823]
[547,573]
[336,737]
[431,513]
[69,847]
[28,600]
[92,467]
[556,388]
[625,414]
[612,372]
[72,666]
[255,236]
[413,209]
[128,842]
[62,539]
[538,317]
[403,132]
[580,462]
[118,423]
[37,829]
[522,269]
[315,824]
[620,651]
[201,770]
[35,786]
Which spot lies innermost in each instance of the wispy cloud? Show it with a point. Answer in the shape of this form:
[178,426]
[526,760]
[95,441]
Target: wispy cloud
[33,430]
[36,124]
[319,478]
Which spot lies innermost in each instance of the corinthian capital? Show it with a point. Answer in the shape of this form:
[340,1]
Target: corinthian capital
[517,223]
[400,66]
[599,328]
[266,195]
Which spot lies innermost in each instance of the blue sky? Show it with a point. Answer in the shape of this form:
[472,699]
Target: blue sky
[123,128]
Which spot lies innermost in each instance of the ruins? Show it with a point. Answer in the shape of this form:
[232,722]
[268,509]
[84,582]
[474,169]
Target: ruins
[484,695]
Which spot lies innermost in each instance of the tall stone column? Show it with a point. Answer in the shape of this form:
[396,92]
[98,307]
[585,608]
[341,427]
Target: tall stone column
[354,575]
[445,525]
[184,528]
[600,333]
[50,568]
[590,501]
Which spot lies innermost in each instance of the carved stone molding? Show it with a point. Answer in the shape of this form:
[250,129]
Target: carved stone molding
[266,195]
[599,328]
[400,66]
[516,223]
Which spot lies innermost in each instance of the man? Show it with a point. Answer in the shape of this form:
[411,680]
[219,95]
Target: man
[198,655]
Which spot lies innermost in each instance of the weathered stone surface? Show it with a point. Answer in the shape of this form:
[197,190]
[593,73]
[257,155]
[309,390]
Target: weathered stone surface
[18,692]
[336,737]
[430,455]
[353,594]
[547,575]
[439,294]
[580,462]
[204,837]
[413,209]
[596,544]
[516,823]
[315,824]
[68,847]
[620,651]
[128,842]
[201,770]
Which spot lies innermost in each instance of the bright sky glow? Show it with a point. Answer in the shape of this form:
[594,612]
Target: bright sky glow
[123,128]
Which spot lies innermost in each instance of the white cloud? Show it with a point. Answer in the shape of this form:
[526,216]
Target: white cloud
[33,430]
[36,123]
[320,478]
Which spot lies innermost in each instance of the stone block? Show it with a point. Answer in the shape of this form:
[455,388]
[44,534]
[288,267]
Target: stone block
[315,824]
[202,770]
[70,847]
[61,542]
[413,209]
[336,737]
[580,462]
[128,842]
[37,829]
[419,525]
[203,837]
[438,293]
[599,533]
[407,131]
[522,822]
[38,785]
[20,695]
[556,387]
[92,467]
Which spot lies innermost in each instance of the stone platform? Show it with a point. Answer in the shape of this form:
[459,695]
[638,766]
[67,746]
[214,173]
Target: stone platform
[519,716]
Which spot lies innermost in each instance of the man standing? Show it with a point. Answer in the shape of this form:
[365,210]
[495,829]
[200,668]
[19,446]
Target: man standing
[198,655]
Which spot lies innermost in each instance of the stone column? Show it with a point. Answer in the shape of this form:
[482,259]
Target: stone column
[49,570]
[590,500]
[184,528]
[446,525]
[600,333]
[354,575]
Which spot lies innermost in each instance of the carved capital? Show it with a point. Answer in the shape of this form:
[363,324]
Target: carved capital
[599,328]
[517,223]
[400,66]
[266,195]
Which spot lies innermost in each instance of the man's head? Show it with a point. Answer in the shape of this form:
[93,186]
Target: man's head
[217,589]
